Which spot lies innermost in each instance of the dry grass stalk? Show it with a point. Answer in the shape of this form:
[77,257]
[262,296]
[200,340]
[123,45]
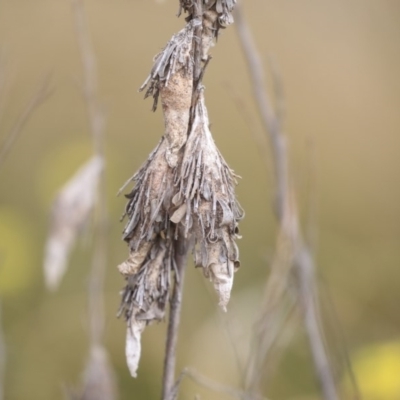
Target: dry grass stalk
[98,379]
[76,202]
[184,193]
[301,261]
[40,95]
[206,206]
[277,307]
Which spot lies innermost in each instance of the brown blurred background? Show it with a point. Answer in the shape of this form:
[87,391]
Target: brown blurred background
[340,65]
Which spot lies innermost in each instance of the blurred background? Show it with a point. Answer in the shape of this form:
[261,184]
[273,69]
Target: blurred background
[339,62]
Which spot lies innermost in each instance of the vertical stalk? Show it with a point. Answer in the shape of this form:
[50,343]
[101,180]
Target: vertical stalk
[198,6]
[180,260]
[181,245]
[97,126]
[287,216]
[171,207]
[41,94]
[307,290]
[2,357]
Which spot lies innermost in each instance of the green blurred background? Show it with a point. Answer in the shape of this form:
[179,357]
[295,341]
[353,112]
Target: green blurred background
[340,64]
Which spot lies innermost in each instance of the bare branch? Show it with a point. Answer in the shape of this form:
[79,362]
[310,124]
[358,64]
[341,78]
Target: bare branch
[301,260]
[304,267]
[174,320]
[40,95]
[99,380]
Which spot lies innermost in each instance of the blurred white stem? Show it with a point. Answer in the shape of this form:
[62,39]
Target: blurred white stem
[97,125]
[302,262]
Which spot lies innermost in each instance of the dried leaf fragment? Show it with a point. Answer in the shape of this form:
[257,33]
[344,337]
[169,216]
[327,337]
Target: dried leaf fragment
[145,295]
[171,78]
[148,202]
[71,208]
[133,345]
[173,58]
[206,206]
[132,265]
[221,275]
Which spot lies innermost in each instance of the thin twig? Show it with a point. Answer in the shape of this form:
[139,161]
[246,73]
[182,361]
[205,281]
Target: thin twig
[216,386]
[271,123]
[39,96]
[277,306]
[198,6]
[302,262]
[99,380]
[174,319]
[181,245]
[96,117]
[278,90]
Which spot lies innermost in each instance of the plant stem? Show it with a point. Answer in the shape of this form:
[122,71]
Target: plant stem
[181,245]
[271,123]
[181,250]
[96,118]
[302,261]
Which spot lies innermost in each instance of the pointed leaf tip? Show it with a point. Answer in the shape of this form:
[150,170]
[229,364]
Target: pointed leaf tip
[133,345]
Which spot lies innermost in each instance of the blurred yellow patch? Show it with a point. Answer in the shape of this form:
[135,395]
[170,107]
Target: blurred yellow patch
[377,368]
[16,260]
